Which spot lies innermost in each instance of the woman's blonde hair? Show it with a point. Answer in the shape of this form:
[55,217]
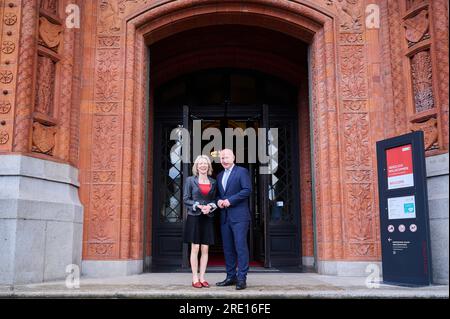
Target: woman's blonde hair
[198,159]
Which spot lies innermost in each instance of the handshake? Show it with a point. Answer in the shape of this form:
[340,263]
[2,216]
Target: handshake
[223,203]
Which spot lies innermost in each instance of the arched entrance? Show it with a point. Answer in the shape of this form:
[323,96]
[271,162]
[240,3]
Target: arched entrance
[224,74]
[124,110]
[229,98]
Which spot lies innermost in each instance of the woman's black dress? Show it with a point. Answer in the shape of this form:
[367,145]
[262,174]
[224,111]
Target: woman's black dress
[199,229]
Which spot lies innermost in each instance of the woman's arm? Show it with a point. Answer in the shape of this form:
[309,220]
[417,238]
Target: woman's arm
[187,195]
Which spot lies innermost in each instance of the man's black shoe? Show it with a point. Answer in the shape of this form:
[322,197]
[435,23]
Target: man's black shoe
[226,282]
[241,285]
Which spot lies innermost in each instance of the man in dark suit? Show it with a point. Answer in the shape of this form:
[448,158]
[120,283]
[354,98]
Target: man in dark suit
[235,188]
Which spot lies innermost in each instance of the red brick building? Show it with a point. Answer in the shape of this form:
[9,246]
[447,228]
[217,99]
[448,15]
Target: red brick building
[86,175]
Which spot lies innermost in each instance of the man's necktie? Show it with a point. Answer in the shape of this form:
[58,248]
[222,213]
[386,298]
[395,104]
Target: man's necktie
[225,178]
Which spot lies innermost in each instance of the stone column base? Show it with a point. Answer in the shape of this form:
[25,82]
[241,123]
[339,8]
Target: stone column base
[308,261]
[347,268]
[437,182]
[41,220]
[111,268]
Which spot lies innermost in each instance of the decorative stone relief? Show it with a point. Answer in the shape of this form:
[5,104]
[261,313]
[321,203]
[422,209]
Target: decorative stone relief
[50,5]
[8,47]
[353,72]
[51,34]
[43,138]
[106,107]
[417,27]
[101,249]
[103,212]
[360,213]
[105,147]
[411,3]
[421,72]
[350,14]
[107,74]
[11,25]
[5,107]
[4,137]
[109,20]
[356,134]
[109,42]
[351,38]
[103,177]
[45,85]
[430,131]
[355,106]
[10,19]
[6,77]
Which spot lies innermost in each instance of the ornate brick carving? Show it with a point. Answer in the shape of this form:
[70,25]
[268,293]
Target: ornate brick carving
[353,72]
[8,47]
[441,44]
[417,27]
[359,176]
[103,177]
[350,14]
[4,137]
[50,5]
[10,19]
[360,213]
[105,148]
[412,3]
[357,106]
[421,72]
[107,107]
[395,48]
[130,3]
[25,76]
[356,134]
[430,131]
[109,42]
[6,76]
[104,249]
[109,20]
[104,212]
[43,138]
[107,75]
[362,250]
[51,34]
[45,85]
[351,38]
[5,107]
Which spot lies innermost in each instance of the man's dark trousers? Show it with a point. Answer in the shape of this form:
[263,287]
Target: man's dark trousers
[234,237]
[235,221]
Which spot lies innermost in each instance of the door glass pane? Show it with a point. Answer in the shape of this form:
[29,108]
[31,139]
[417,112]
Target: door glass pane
[280,182]
[172,184]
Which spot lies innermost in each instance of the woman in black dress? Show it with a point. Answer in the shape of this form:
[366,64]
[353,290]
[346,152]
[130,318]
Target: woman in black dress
[199,197]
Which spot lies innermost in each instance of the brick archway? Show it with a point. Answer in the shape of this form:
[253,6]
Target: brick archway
[112,179]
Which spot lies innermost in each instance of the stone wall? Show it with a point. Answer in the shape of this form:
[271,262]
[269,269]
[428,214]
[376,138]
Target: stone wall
[438,194]
[41,219]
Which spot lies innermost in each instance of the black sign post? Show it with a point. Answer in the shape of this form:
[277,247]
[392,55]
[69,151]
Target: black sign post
[404,224]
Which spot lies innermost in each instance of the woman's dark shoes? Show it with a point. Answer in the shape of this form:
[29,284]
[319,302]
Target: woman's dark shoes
[205,284]
[241,285]
[227,282]
[197,284]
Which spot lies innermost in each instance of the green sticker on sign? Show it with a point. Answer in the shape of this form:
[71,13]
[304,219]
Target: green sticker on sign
[409,208]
